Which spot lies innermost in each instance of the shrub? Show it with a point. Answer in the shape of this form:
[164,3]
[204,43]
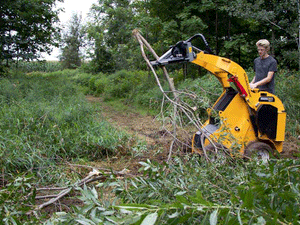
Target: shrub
[288,90]
[100,84]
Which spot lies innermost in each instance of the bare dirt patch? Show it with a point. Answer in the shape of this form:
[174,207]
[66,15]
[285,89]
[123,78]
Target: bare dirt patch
[291,148]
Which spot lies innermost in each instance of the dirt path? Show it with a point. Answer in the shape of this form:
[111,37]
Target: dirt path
[145,127]
[158,140]
[148,130]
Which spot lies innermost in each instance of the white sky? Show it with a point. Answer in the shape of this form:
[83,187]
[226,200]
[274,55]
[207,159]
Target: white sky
[70,7]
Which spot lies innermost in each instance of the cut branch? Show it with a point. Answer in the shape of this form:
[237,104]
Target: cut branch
[92,176]
[184,108]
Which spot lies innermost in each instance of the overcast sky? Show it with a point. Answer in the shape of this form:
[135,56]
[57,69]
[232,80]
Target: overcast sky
[70,7]
[78,6]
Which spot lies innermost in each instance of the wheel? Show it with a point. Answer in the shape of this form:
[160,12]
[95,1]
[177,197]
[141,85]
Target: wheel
[259,150]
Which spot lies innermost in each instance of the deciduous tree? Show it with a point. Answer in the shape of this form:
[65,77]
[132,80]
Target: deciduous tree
[27,28]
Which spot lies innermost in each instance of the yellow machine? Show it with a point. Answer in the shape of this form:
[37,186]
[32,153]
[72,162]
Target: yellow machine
[254,120]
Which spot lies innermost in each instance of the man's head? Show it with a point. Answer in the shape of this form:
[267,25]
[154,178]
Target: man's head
[263,47]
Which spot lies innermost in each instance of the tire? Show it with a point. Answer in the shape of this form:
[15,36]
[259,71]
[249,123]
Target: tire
[258,150]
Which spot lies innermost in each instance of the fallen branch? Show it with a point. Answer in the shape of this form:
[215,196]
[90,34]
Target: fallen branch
[176,102]
[143,42]
[92,176]
[68,190]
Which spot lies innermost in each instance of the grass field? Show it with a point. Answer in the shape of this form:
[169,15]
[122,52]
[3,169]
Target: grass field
[47,124]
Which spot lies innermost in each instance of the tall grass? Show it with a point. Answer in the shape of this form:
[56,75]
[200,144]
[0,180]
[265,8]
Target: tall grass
[45,120]
[33,66]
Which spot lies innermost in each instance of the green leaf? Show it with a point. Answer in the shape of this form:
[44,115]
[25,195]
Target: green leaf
[180,193]
[150,219]
[239,217]
[132,220]
[213,219]
[144,164]
[107,213]
[182,199]
[174,215]
[184,218]
[199,199]
[135,207]
[85,221]
[261,221]
[248,199]
[125,211]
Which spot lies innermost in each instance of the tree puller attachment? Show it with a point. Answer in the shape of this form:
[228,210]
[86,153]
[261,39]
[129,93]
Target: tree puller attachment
[253,119]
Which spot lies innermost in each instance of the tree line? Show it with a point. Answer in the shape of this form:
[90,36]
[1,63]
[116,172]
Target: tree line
[231,28]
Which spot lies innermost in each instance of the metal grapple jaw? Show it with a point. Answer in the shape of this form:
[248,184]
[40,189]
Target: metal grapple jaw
[181,52]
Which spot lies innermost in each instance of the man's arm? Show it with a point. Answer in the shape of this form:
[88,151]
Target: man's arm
[266,80]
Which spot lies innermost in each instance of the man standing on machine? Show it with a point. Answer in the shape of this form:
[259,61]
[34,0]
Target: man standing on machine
[265,67]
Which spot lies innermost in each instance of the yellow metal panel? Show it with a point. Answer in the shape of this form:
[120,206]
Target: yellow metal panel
[236,127]
[281,126]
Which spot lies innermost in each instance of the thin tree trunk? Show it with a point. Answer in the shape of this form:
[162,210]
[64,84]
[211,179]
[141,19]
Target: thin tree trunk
[217,38]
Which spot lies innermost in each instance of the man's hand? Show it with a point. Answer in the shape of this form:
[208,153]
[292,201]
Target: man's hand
[252,86]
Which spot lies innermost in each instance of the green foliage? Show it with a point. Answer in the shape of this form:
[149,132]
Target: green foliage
[27,28]
[192,191]
[121,84]
[231,29]
[288,90]
[276,21]
[45,119]
[16,201]
[111,34]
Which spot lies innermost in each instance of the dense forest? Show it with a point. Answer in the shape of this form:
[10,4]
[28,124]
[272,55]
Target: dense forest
[87,139]
[30,27]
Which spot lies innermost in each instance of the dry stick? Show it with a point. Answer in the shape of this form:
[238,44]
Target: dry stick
[186,111]
[59,196]
[51,189]
[93,176]
[66,191]
[46,196]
